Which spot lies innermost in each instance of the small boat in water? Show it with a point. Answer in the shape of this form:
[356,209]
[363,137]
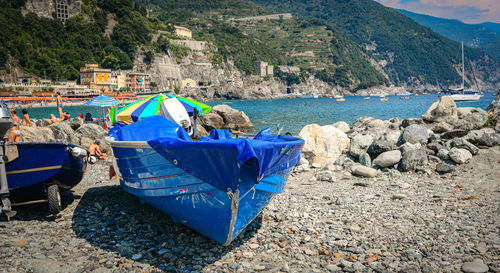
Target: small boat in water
[384,99]
[340,99]
[215,186]
[459,94]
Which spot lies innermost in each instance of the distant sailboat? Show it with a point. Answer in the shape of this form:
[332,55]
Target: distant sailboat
[459,94]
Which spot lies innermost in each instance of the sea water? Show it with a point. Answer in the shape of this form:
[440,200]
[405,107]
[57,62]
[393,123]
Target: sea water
[293,114]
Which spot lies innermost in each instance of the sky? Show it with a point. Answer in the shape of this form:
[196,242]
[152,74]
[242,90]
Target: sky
[467,11]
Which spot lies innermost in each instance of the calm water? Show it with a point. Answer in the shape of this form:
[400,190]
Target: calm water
[293,114]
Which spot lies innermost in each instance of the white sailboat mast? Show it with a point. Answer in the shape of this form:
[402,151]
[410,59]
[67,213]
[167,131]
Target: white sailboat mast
[463,67]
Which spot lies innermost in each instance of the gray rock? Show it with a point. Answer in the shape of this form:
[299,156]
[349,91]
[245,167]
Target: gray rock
[489,139]
[443,168]
[63,133]
[49,266]
[443,154]
[411,121]
[459,155]
[325,176]
[453,134]
[76,123]
[399,196]
[441,127]
[233,119]
[415,134]
[211,121]
[435,146]
[395,123]
[379,146]
[413,159]
[359,145]
[92,131]
[364,171]
[471,118]
[342,125]
[365,160]
[443,110]
[409,147]
[476,266]
[464,144]
[36,134]
[387,159]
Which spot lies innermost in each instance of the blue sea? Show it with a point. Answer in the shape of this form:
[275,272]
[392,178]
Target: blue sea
[293,114]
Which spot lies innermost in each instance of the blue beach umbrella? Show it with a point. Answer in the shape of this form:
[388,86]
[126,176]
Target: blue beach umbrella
[102,101]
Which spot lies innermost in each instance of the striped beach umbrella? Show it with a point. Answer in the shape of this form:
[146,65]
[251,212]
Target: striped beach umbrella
[151,106]
[102,101]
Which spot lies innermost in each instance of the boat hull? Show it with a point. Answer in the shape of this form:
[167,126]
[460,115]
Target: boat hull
[465,97]
[41,164]
[217,214]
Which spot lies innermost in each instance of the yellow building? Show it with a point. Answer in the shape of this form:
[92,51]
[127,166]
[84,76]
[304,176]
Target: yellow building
[95,78]
[183,32]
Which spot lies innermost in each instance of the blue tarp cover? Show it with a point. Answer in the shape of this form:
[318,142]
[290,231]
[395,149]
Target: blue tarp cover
[149,128]
[218,159]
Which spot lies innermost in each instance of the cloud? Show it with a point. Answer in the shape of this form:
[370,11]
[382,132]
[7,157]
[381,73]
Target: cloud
[468,11]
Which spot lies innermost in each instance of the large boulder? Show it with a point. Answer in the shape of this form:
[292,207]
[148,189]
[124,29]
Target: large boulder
[359,145]
[76,123]
[92,131]
[233,119]
[444,110]
[63,133]
[323,144]
[36,134]
[387,159]
[412,159]
[459,156]
[211,121]
[415,134]
[471,118]
[342,125]
[410,121]
[441,127]
[365,160]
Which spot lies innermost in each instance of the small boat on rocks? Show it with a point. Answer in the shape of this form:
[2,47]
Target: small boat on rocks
[216,185]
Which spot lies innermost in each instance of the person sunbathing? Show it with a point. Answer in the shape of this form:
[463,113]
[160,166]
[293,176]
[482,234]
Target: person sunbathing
[15,133]
[96,151]
[26,118]
[53,119]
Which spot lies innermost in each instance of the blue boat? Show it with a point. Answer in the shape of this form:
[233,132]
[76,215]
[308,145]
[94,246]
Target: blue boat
[215,186]
[39,171]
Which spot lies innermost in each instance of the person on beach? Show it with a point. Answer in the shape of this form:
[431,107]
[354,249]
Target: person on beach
[53,119]
[26,118]
[15,133]
[96,151]
[59,104]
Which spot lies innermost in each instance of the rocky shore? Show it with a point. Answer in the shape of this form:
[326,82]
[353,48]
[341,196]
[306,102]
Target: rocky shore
[414,195]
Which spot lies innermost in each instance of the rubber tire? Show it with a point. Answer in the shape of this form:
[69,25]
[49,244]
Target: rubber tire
[55,204]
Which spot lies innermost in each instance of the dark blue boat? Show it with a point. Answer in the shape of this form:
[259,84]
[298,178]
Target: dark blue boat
[216,186]
[40,166]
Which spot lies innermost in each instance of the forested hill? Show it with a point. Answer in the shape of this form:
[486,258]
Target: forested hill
[414,53]
[485,36]
[47,47]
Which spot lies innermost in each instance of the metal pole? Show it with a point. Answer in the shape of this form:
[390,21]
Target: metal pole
[463,68]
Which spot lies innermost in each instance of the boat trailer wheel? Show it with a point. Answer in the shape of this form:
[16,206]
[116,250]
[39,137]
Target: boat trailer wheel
[54,198]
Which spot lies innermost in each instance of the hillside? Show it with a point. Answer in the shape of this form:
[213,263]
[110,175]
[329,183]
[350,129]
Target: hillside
[410,53]
[312,45]
[48,48]
[485,36]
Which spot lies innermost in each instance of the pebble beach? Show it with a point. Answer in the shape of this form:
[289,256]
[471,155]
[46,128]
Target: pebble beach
[394,222]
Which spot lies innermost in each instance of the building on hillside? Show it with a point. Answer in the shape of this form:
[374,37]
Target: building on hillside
[183,32]
[139,81]
[118,80]
[60,9]
[98,79]
[263,69]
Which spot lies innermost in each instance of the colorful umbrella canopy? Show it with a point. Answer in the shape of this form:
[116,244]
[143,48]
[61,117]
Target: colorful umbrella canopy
[102,101]
[150,106]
